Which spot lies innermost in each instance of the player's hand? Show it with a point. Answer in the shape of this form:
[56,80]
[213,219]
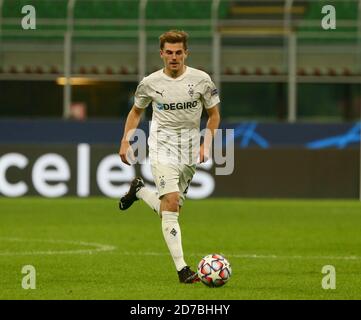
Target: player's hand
[125,151]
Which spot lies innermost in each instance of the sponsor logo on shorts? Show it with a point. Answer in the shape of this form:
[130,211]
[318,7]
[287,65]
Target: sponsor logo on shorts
[177,105]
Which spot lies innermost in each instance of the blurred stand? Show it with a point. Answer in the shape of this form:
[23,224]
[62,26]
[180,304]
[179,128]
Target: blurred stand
[271,60]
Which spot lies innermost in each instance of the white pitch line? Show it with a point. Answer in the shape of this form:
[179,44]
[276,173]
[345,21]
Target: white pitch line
[249,256]
[98,247]
[103,248]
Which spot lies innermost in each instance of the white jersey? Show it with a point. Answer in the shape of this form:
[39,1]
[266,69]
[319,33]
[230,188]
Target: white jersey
[177,108]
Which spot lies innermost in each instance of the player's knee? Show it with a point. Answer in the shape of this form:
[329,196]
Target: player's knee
[171,202]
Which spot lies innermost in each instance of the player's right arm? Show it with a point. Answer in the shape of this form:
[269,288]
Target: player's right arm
[131,124]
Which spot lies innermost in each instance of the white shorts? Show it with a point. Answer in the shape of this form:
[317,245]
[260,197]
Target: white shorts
[170,177]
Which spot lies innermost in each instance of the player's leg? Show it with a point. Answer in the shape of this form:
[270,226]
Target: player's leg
[185,177]
[137,190]
[171,229]
[167,182]
[128,199]
[166,179]
[151,198]
[173,236]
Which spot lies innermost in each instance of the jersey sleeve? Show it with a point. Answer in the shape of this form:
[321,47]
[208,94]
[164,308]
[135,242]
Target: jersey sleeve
[210,94]
[141,97]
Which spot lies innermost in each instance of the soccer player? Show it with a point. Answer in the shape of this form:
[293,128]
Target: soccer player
[178,94]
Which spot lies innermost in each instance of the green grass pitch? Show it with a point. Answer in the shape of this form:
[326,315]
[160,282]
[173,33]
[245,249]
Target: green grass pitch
[87,249]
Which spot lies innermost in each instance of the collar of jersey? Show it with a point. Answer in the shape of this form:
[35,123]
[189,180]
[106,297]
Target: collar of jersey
[175,79]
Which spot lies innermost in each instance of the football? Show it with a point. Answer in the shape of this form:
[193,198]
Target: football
[214,270]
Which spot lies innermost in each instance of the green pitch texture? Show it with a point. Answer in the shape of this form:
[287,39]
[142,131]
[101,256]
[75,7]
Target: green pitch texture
[276,248]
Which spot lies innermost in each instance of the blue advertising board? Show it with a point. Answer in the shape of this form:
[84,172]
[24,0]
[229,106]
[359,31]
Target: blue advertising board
[247,134]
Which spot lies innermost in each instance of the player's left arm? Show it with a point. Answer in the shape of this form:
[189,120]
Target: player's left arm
[214,119]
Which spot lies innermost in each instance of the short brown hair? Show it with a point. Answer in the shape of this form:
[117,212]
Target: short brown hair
[173,36]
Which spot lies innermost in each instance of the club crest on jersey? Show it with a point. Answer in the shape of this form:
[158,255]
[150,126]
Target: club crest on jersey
[190,90]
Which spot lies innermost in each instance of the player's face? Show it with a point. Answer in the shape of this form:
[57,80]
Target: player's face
[174,55]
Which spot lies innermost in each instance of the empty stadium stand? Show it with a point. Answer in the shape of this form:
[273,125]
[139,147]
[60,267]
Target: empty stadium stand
[103,25]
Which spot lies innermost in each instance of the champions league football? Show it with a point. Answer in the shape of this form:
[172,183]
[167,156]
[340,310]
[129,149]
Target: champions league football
[214,270]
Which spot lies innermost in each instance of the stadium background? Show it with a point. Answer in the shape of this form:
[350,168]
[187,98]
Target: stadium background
[289,88]
[285,82]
